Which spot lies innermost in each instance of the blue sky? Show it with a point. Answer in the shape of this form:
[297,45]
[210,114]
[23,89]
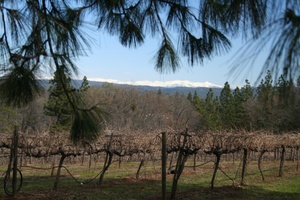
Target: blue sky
[108,59]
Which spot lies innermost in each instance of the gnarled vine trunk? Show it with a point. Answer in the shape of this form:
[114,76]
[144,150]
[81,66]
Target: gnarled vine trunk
[218,157]
[182,158]
[259,164]
[107,163]
[244,168]
[282,159]
[61,161]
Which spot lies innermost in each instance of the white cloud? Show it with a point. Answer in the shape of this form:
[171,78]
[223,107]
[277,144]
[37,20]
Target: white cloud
[175,83]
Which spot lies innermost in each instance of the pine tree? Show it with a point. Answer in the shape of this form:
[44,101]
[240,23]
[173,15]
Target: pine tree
[265,103]
[284,92]
[159,92]
[84,85]
[248,101]
[58,105]
[226,106]
[211,112]
[196,98]
[238,109]
[190,97]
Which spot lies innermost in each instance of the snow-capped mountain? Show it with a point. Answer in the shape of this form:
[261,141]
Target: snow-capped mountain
[166,87]
[170,84]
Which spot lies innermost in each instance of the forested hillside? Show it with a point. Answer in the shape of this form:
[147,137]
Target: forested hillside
[272,105]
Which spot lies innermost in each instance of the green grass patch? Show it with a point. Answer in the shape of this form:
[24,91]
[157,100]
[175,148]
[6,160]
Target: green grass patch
[120,182]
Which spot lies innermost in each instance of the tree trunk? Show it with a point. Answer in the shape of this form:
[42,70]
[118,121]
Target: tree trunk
[233,158]
[177,173]
[90,161]
[259,164]
[245,158]
[139,169]
[15,162]
[53,165]
[218,157]
[275,154]
[282,159]
[82,158]
[63,156]
[120,161]
[108,160]
[182,158]
[171,161]
[297,157]
[163,166]
[195,159]
[21,159]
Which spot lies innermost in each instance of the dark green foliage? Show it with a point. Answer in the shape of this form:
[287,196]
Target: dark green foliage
[166,56]
[159,92]
[285,91]
[84,85]
[211,113]
[240,118]
[226,106]
[87,124]
[247,92]
[285,104]
[238,109]
[265,100]
[19,87]
[65,103]
[246,108]
[272,107]
[58,104]
[190,97]
[196,98]
[8,118]
[243,100]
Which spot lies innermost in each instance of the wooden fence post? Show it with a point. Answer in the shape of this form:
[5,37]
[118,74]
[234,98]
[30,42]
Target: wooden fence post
[297,155]
[244,168]
[15,161]
[164,165]
[282,159]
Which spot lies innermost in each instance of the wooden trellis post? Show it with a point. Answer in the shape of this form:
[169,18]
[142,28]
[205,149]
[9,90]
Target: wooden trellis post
[15,161]
[244,167]
[164,165]
[297,155]
[282,159]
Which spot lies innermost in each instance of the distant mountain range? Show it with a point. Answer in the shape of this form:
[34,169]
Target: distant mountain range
[168,87]
[172,84]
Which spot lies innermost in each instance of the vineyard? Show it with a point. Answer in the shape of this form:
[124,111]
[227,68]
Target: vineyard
[53,150]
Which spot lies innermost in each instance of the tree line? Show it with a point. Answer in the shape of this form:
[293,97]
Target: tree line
[126,109]
[271,106]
